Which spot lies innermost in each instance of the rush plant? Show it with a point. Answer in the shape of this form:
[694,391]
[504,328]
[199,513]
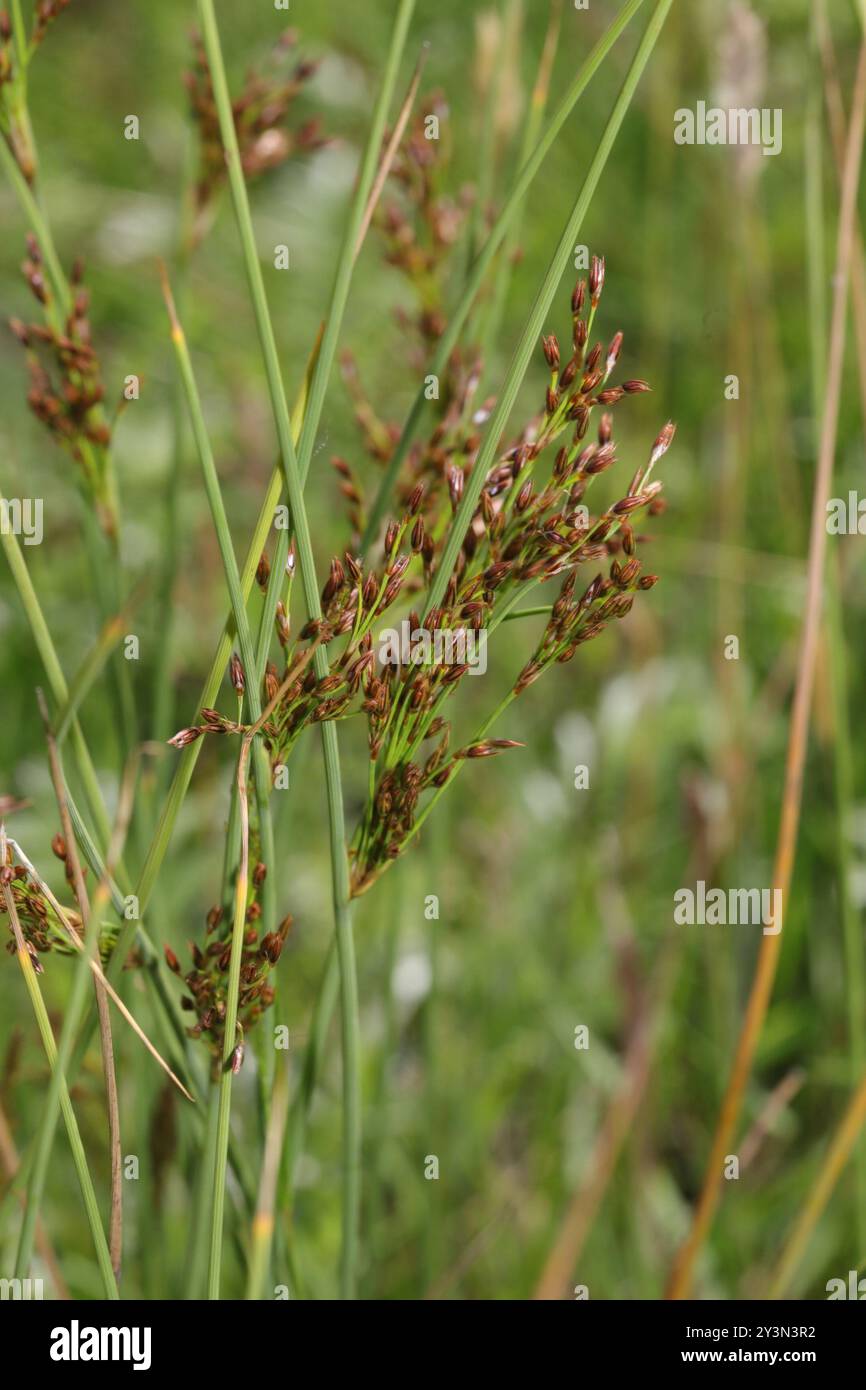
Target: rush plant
[462,526]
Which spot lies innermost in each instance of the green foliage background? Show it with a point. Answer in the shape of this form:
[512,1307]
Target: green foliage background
[555,904]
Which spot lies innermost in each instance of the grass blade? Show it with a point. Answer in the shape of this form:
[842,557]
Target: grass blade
[59,1088]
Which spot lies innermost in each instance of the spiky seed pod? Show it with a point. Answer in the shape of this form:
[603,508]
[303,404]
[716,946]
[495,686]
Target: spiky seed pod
[236,674]
[550,348]
[184,737]
[596,280]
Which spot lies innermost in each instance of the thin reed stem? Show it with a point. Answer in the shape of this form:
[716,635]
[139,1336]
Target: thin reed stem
[58,1087]
[294,487]
[263,1223]
[792,795]
[855,966]
[838,1154]
[53,1103]
[531,129]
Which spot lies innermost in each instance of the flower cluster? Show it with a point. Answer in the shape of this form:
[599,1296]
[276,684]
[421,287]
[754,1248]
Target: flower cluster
[40,925]
[532,525]
[421,224]
[261,113]
[14,121]
[66,390]
[207,982]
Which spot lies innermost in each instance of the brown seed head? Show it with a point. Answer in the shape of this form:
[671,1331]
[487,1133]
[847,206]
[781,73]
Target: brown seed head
[236,674]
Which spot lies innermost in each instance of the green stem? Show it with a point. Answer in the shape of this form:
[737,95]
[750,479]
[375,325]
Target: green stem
[188,758]
[229,1043]
[20,32]
[38,224]
[236,595]
[198,1258]
[855,972]
[56,679]
[346,262]
[294,488]
[57,1100]
[531,128]
[79,1157]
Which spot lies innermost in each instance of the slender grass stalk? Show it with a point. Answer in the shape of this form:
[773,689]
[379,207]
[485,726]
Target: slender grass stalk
[189,757]
[378,1127]
[57,1086]
[233,1046]
[91,668]
[96,969]
[103,558]
[171,1018]
[768,955]
[233,583]
[323,1011]
[522,183]
[20,32]
[855,967]
[38,222]
[231,1042]
[490,98]
[10,1168]
[391,152]
[79,1157]
[837,122]
[540,310]
[53,1102]
[294,487]
[87,775]
[199,1251]
[531,129]
[151,958]
[162,682]
[263,1224]
[351,239]
[618,1122]
[216,1156]
[56,679]
[838,1154]
[187,761]
[115,1240]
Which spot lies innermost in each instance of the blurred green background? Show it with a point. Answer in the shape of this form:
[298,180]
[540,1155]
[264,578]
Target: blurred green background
[556,904]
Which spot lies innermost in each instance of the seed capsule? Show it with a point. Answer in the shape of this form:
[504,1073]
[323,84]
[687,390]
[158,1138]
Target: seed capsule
[236,674]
